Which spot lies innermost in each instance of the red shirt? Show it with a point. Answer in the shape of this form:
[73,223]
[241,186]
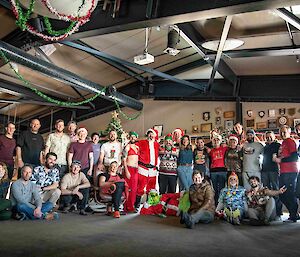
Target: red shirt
[287,147]
[217,156]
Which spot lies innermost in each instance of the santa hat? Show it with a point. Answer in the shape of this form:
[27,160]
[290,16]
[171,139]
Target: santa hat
[169,137]
[181,131]
[217,136]
[82,129]
[233,137]
[233,174]
[154,131]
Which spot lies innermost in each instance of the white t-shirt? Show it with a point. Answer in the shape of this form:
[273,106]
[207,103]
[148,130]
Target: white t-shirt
[112,152]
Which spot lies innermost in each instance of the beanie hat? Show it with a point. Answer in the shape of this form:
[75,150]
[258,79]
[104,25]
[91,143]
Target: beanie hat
[251,131]
[133,133]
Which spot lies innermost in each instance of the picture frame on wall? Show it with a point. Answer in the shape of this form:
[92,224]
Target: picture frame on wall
[272,124]
[218,121]
[229,114]
[159,128]
[250,123]
[271,113]
[195,129]
[261,125]
[206,127]
[228,124]
[296,122]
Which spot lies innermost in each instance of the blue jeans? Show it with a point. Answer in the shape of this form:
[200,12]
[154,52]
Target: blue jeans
[28,211]
[185,174]
[289,197]
[218,179]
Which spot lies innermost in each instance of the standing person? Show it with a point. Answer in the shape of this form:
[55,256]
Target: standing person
[82,151]
[252,153]
[30,145]
[239,131]
[168,155]
[270,169]
[287,159]
[177,134]
[234,158]
[202,207]
[148,161]
[7,148]
[46,177]
[201,160]
[218,172]
[72,126]
[185,163]
[110,151]
[130,162]
[96,147]
[26,199]
[5,204]
[74,189]
[58,143]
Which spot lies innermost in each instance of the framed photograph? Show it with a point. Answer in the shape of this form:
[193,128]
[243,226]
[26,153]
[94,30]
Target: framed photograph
[283,120]
[229,114]
[261,125]
[228,124]
[272,124]
[206,127]
[195,129]
[271,113]
[296,122]
[159,128]
[250,113]
[250,123]
[206,116]
[218,121]
[282,111]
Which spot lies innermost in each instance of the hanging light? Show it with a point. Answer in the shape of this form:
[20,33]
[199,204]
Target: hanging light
[173,40]
[230,44]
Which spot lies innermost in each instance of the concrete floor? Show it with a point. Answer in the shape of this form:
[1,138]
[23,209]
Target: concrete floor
[133,235]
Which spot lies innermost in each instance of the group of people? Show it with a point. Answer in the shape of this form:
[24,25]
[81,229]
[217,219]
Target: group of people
[232,178]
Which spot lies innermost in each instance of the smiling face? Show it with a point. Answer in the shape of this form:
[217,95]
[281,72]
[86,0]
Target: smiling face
[132,139]
[82,134]
[95,139]
[50,162]
[285,133]
[26,173]
[113,168]
[10,129]
[75,168]
[270,137]
[35,125]
[112,136]
[200,143]
[197,179]
[71,128]
[233,181]
[60,126]
[232,143]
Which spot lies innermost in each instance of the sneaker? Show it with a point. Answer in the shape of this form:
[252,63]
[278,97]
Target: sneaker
[236,221]
[19,216]
[277,218]
[66,209]
[72,208]
[189,223]
[117,214]
[51,216]
[82,212]
[89,209]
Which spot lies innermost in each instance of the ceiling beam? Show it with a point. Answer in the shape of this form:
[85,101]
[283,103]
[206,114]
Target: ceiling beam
[288,17]
[16,55]
[132,14]
[44,103]
[257,52]
[133,65]
[194,38]
[225,32]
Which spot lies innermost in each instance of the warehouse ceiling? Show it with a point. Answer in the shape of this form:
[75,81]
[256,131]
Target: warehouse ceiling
[269,31]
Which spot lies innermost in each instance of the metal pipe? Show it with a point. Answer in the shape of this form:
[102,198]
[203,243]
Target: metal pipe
[16,55]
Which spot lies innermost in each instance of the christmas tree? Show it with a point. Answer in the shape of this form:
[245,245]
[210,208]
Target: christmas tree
[114,124]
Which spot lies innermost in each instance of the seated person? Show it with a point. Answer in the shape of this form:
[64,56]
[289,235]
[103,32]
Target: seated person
[26,199]
[261,204]
[202,201]
[5,205]
[46,177]
[74,189]
[232,202]
[111,183]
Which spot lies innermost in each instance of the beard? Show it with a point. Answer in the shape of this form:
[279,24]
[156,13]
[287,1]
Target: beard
[254,186]
[250,140]
[49,165]
[132,141]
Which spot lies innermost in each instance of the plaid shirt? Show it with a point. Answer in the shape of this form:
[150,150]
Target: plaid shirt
[43,179]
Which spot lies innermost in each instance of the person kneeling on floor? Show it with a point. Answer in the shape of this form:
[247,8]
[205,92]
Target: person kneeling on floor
[74,189]
[111,184]
[26,199]
[261,204]
[232,202]
[202,207]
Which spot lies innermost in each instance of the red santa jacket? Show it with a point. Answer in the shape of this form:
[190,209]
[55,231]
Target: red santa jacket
[144,157]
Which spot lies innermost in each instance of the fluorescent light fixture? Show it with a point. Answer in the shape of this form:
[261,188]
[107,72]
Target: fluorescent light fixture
[230,44]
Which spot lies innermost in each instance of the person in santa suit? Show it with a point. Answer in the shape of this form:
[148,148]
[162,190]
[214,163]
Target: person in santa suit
[147,164]
[177,134]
